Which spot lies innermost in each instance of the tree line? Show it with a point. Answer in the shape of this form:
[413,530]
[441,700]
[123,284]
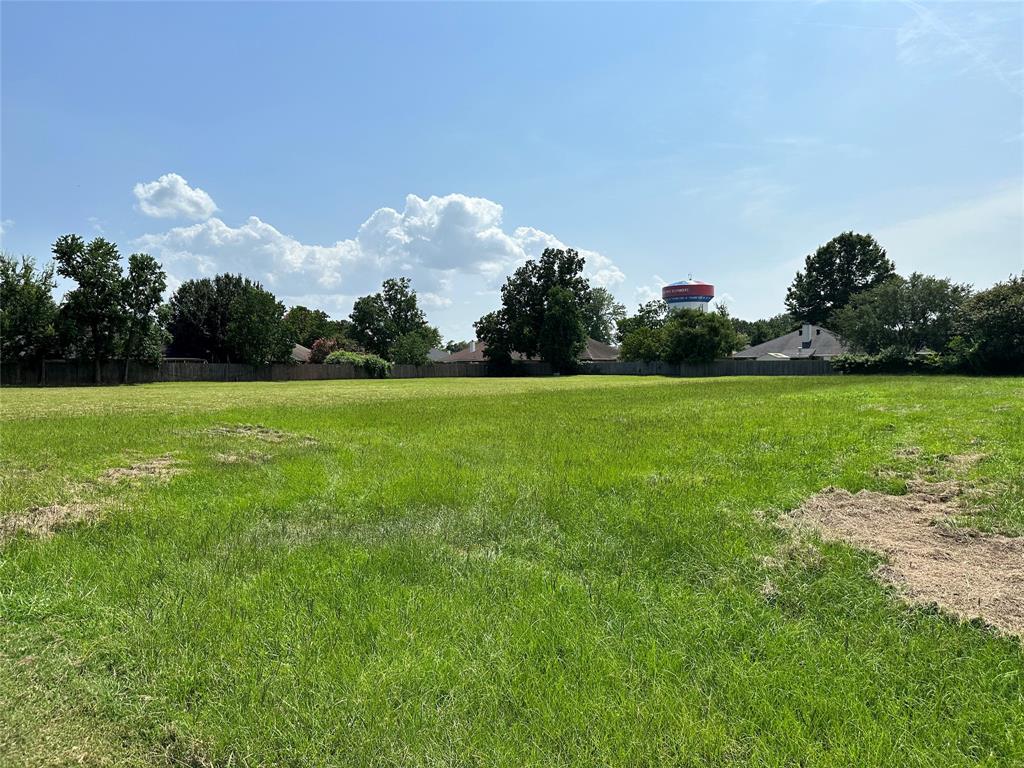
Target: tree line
[548,310]
[116,310]
[850,285]
[918,322]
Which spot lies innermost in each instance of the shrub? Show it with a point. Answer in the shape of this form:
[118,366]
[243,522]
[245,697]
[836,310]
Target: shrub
[894,360]
[377,367]
[321,349]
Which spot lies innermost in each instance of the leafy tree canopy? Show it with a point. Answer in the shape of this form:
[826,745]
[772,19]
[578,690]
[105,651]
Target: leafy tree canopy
[142,292]
[205,321]
[643,343]
[199,317]
[601,315]
[678,337]
[27,309]
[990,328]
[651,315]
[905,314]
[844,266]
[381,319]
[255,330]
[525,299]
[93,310]
[562,334]
[493,331]
[698,337]
[304,326]
[413,348]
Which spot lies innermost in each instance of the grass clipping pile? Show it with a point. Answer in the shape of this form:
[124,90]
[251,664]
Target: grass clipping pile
[969,574]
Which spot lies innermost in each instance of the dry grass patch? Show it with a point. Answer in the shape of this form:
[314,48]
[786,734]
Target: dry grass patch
[969,574]
[259,432]
[242,457]
[159,468]
[43,521]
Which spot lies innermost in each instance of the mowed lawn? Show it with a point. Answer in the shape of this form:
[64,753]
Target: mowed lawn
[566,571]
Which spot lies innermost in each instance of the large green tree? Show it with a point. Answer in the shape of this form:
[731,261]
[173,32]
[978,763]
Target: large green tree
[304,326]
[651,316]
[903,314]
[493,332]
[518,325]
[562,333]
[643,343]
[93,308]
[27,309]
[601,315]
[413,348]
[990,328]
[142,290]
[256,332]
[834,273]
[381,319]
[194,321]
[204,321]
[698,337]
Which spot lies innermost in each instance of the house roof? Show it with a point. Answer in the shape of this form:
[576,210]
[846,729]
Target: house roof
[593,351]
[300,354]
[824,343]
[596,351]
[437,355]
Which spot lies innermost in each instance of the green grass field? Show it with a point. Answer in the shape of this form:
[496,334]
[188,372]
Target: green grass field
[492,572]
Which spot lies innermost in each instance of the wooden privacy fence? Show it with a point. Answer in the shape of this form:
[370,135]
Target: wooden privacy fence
[729,367]
[64,373]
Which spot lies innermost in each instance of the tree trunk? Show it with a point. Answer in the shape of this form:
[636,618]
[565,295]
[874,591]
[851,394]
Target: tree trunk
[96,374]
[127,355]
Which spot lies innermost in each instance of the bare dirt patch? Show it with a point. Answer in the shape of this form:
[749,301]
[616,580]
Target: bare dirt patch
[159,468]
[43,521]
[969,574]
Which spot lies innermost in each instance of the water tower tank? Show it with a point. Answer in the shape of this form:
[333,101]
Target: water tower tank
[688,294]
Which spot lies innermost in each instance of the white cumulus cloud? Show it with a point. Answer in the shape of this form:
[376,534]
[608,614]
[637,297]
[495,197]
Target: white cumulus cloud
[455,249]
[170,196]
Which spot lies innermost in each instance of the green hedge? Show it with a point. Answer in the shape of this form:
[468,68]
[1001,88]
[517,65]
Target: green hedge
[896,361]
[377,367]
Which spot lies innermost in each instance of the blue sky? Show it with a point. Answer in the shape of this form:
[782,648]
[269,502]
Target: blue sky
[323,147]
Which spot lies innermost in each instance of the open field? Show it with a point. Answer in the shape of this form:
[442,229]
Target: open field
[576,571]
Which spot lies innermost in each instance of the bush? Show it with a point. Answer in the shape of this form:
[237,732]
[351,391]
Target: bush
[321,349]
[895,360]
[377,367]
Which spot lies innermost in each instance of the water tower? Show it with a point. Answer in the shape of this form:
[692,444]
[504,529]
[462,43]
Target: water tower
[688,294]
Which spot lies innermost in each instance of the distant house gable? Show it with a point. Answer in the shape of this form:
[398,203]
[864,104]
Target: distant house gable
[806,341]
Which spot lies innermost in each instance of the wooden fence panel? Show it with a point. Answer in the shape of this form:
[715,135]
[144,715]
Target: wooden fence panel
[63,373]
